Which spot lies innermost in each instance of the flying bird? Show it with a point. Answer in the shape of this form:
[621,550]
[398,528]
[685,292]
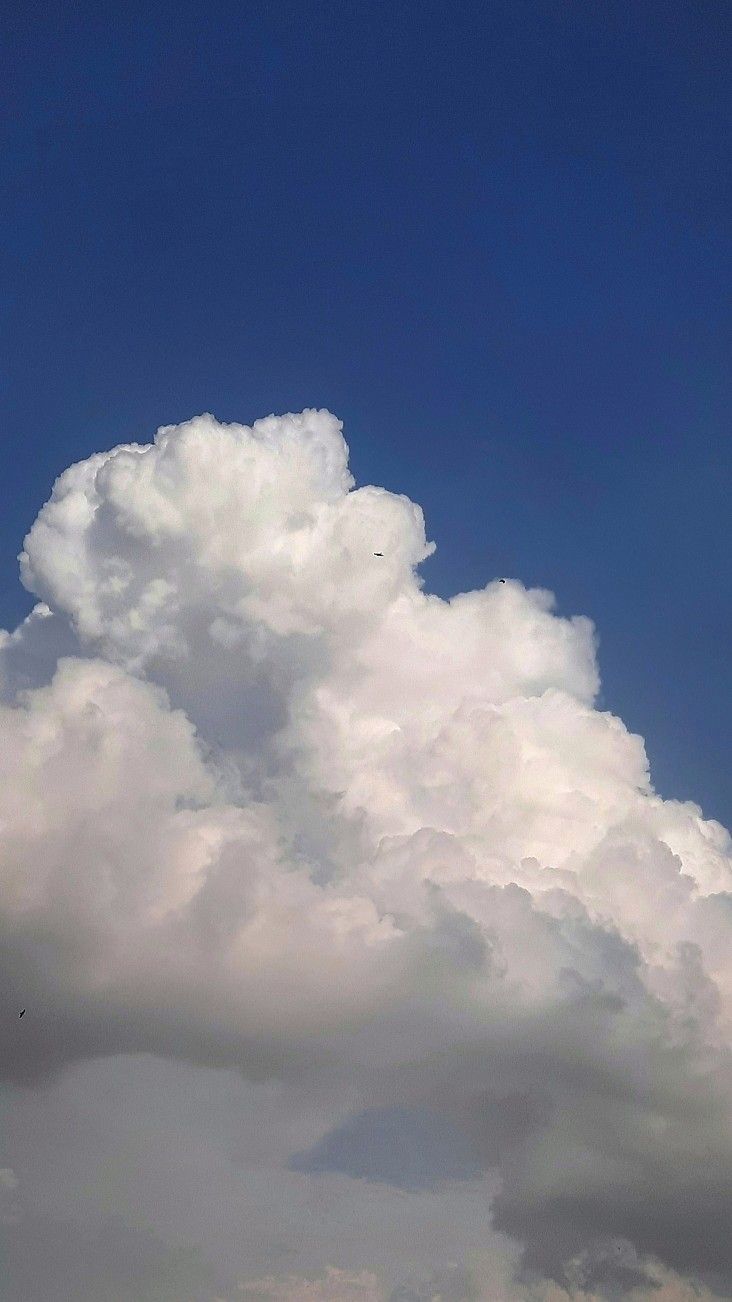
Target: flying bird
[21,1014]
[378,553]
[501,580]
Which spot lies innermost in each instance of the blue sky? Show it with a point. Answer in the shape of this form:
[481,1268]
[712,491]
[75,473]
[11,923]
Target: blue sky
[493,238]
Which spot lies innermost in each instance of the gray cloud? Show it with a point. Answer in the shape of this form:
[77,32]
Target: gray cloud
[452,1284]
[411,1148]
[108,1262]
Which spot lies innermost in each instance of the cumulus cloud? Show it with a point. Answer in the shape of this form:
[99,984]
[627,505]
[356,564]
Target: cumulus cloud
[267,805]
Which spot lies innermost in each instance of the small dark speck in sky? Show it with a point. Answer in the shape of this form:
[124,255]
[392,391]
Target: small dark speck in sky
[21,1014]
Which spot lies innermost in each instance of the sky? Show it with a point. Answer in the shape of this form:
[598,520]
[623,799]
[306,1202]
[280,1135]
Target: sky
[493,238]
[372,916]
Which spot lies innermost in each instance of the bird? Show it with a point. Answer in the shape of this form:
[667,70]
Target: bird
[501,580]
[21,1014]
[378,553]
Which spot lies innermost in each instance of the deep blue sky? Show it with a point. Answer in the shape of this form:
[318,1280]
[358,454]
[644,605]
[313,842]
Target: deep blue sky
[493,237]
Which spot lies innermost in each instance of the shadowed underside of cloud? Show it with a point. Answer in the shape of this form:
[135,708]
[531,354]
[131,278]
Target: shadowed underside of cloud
[266,804]
[410,1148]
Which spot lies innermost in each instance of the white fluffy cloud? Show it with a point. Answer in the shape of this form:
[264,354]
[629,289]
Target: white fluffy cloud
[266,804]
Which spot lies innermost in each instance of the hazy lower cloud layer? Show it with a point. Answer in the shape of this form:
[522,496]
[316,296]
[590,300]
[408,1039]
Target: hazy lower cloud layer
[360,958]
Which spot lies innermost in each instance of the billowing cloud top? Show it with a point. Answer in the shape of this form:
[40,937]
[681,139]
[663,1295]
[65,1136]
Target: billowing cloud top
[265,803]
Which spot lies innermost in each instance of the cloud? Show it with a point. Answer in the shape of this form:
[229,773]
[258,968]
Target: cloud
[45,1259]
[10,1211]
[267,805]
[334,1286]
[410,1148]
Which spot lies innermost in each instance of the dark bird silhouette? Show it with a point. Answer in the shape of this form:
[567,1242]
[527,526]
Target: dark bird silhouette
[378,553]
[21,1014]
[501,580]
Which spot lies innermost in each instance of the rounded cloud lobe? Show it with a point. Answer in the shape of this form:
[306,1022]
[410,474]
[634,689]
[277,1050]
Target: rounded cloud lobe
[267,804]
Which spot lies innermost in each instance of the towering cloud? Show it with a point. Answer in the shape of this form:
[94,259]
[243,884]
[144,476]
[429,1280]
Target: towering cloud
[266,805]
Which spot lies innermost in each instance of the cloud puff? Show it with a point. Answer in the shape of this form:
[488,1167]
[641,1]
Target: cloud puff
[265,803]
